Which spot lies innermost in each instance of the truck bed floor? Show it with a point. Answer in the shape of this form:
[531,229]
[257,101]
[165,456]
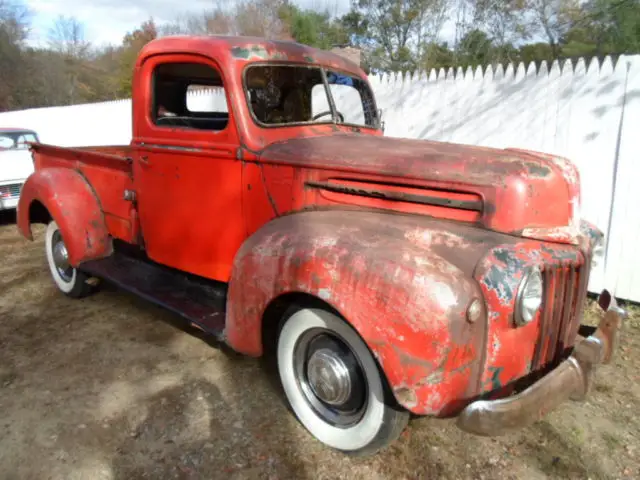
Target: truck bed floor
[200,301]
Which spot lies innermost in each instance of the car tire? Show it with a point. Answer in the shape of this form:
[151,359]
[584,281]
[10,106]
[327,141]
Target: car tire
[334,384]
[69,280]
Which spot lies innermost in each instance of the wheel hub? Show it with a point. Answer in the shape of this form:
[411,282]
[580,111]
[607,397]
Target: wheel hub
[329,377]
[61,256]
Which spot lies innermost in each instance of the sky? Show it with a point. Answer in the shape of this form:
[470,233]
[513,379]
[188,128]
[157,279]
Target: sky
[107,21]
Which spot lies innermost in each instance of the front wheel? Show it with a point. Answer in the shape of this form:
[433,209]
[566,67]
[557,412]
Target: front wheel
[334,385]
[68,279]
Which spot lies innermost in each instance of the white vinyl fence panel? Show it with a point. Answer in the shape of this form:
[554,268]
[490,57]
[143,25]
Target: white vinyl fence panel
[589,113]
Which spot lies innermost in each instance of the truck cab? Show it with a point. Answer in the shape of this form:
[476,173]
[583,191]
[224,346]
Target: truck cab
[260,200]
[228,101]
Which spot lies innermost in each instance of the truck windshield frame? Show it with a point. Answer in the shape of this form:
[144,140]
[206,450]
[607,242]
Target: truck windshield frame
[273,95]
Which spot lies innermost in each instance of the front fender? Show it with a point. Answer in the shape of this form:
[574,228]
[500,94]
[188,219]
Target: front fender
[384,273]
[71,202]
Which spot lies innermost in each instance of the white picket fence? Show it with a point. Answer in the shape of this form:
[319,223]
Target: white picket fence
[588,113]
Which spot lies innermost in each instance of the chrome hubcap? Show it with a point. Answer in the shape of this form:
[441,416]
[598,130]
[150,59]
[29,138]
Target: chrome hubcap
[330,377]
[61,257]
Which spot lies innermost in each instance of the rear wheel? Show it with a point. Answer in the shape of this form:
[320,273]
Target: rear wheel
[334,385]
[68,279]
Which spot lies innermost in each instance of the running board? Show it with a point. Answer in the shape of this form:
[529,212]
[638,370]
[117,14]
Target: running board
[200,301]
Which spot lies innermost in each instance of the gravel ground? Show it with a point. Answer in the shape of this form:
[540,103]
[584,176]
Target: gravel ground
[110,387]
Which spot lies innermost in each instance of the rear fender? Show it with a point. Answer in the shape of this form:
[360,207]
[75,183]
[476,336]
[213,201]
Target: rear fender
[73,205]
[406,302]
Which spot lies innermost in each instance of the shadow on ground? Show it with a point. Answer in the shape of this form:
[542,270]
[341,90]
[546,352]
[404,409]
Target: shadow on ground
[110,387]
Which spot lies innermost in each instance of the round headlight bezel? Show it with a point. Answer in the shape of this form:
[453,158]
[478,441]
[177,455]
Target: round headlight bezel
[532,278]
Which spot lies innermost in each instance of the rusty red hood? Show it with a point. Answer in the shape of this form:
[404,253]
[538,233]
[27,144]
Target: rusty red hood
[530,194]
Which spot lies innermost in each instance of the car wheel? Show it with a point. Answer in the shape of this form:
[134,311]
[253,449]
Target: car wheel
[334,384]
[68,279]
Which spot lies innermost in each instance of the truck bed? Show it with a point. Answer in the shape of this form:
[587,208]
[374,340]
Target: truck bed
[108,169]
[117,157]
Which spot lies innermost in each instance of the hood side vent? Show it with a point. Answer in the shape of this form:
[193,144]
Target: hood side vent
[451,204]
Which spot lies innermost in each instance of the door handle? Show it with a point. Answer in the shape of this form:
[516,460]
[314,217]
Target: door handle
[144,160]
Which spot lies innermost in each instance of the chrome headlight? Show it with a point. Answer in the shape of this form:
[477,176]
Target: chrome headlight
[529,297]
[598,252]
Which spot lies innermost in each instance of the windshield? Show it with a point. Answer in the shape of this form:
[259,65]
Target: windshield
[16,140]
[293,95]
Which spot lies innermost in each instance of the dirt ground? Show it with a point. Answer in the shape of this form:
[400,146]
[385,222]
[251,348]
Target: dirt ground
[110,387]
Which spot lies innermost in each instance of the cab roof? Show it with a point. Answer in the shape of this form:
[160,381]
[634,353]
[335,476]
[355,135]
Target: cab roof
[248,50]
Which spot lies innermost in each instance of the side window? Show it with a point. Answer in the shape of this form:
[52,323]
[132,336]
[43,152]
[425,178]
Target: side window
[348,97]
[320,101]
[6,142]
[22,140]
[351,96]
[189,95]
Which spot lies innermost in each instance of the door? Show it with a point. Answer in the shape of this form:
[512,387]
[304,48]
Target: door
[188,180]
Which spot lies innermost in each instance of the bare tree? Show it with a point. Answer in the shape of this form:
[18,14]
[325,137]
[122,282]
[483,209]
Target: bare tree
[261,18]
[429,26]
[398,29]
[245,17]
[503,20]
[14,29]
[14,21]
[67,37]
[218,20]
[553,19]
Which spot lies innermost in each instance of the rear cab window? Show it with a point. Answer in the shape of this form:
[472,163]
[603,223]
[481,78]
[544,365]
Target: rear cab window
[189,96]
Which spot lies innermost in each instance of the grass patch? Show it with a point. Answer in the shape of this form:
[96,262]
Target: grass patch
[604,388]
[577,436]
[611,440]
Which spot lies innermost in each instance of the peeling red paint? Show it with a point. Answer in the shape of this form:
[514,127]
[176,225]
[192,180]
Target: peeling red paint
[72,204]
[407,300]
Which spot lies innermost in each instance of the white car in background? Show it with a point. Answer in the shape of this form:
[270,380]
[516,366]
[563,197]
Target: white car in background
[16,164]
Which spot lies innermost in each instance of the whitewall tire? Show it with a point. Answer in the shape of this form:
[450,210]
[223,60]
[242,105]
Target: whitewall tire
[334,385]
[69,280]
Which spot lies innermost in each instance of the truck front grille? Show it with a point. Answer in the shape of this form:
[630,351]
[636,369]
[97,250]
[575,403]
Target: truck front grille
[10,191]
[565,288]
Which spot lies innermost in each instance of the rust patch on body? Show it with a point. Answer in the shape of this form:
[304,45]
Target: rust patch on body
[537,170]
[500,274]
[73,205]
[407,300]
[250,52]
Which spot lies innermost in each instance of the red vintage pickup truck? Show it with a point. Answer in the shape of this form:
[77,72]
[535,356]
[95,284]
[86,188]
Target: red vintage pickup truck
[387,276]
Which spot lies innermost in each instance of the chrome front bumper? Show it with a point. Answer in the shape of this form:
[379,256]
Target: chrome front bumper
[571,380]
[8,203]
[10,194]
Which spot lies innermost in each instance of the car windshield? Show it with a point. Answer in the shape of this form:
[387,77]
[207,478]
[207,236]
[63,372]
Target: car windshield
[292,95]
[16,140]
